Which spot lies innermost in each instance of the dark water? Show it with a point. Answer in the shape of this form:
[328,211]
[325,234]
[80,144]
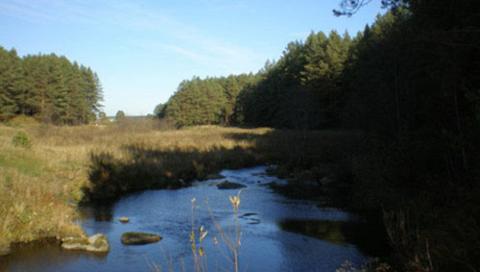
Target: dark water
[277,234]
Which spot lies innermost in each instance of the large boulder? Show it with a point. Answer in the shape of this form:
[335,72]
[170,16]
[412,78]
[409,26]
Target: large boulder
[139,238]
[227,185]
[95,243]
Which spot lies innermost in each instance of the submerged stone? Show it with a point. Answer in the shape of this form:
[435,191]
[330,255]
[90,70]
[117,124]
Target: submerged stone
[139,238]
[227,185]
[251,218]
[94,243]
[215,176]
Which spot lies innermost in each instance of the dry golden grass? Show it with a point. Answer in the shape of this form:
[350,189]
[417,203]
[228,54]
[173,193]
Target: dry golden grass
[41,185]
[36,185]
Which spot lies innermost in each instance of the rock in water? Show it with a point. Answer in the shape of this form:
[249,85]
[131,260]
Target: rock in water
[214,176]
[98,243]
[139,238]
[124,219]
[226,185]
[94,243]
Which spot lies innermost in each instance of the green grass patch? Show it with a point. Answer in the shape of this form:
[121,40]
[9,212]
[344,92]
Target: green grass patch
[22,162]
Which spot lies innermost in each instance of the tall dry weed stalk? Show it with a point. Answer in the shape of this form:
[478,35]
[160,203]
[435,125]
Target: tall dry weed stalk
[232,244]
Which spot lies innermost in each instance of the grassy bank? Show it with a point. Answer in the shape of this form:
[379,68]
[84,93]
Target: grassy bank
[42,181]
[37,185]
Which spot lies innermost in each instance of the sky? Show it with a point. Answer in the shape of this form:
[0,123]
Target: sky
[143,49]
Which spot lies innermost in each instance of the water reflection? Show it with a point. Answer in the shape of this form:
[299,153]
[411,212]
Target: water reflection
[100,212]
[367,237]
[44,256]
[278,234]
[332,231]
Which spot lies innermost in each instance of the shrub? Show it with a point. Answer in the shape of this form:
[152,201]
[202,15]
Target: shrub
[21,139]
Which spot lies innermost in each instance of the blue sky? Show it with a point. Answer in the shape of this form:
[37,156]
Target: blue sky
[141,50]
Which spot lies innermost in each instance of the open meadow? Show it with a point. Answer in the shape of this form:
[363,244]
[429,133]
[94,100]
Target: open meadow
[46,171]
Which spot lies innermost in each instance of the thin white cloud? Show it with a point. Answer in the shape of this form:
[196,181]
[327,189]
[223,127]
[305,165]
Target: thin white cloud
[186,40]
[19,9]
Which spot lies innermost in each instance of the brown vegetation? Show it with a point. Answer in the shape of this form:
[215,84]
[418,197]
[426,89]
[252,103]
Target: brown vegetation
[41,184]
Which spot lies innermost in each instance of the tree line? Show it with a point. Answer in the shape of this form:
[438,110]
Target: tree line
[48,88]
[300,90]
[411,82]
[206,101]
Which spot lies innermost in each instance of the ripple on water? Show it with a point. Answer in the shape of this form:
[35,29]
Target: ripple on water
[277,234]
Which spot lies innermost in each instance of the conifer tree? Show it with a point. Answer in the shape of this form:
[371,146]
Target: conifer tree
[49,88]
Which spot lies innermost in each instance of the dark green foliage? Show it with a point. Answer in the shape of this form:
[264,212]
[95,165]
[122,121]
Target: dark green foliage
[47,87]
[303,88]
[10,83]
[205,101]
[197,102]
[159,111]
[411,83]
[120,116]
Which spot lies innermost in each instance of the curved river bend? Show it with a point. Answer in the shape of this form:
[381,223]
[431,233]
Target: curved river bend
[277,234]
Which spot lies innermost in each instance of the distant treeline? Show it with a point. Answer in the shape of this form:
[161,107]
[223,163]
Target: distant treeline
[411,83]
[301,90]
[47,87]
[206,101]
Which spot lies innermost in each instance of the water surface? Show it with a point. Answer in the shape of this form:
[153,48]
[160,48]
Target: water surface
[277,234]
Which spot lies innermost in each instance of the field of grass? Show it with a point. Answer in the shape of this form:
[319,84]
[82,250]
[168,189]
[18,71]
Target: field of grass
[41,183]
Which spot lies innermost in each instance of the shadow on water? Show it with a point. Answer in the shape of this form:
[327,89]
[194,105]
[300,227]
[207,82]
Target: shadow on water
[365,236]
[101,212]
[44,256]
[270,225]
[143,167]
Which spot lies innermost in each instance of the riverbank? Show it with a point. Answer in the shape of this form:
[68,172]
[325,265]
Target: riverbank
[296,235]
[44,179]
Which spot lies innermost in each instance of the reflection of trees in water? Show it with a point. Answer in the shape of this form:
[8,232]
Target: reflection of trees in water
[46,255]
[100,213]
[103,212]
[369,238]
[323,247]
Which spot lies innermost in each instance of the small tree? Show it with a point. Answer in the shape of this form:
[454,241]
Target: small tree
[119,116]
[102,118]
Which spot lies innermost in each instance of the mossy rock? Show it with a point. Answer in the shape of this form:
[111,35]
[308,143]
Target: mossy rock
[228,185]
[139,238]
[95,243]
[99,243]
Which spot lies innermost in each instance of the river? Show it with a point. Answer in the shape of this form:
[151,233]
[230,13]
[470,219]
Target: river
[277,233]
